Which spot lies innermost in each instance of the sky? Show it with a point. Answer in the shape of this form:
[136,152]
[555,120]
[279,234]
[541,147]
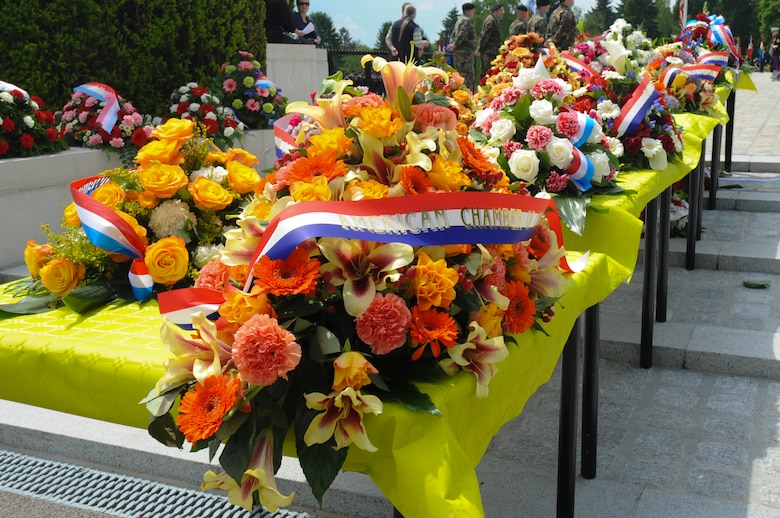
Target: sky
[362,18]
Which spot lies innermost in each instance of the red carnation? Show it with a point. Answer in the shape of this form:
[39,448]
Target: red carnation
[667,143]
[38,101]
[26,140]
[211,126]
[633,145]
[207,108]
[51,134]
[182,108]
[199,91]
[3,147]
[8,125]
[139,137]
[40,116]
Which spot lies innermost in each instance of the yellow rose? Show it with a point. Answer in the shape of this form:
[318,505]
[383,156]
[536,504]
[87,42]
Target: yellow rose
[71,216]
[167,260]
[162,151]
[35,256]
[109,194]
[209,195]
[316,190]
[162,180]
[175,129]
[241,155]
[61,276]
[145,199]
[351,369]
[241,178]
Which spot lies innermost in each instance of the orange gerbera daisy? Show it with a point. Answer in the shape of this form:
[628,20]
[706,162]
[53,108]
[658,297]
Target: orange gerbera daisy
[203,408]
[473,157]
[306,168]
[434,328]
[520,314]
[415,181]
[292,276]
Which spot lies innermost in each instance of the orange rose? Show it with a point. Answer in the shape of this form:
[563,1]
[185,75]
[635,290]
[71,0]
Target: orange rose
[167,260]
[209,195]
[35,256]
[139,229]
[71,216]
[61,276]
[162,151]
[109,194]
[241,178]
[162,180]
[242,156]
[240,306]
[175,130]
[352,370]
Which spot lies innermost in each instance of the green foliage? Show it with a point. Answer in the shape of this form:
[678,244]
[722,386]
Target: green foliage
[143,49]
[642,14]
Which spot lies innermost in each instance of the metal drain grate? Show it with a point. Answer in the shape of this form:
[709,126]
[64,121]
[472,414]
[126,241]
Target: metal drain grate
[115,494]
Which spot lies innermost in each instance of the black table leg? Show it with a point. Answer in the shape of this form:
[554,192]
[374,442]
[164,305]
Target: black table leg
[662,286]
[567,425]
[730,105]
[590,393]
[694,186]
[648,293]
[717,136]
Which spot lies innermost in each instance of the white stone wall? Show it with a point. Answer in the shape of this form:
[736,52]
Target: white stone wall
[297,69]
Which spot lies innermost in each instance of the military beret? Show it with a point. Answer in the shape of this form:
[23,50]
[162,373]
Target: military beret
[496,7]
[542,3]
[521,7]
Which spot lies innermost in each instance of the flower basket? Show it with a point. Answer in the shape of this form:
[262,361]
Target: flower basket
[26,129]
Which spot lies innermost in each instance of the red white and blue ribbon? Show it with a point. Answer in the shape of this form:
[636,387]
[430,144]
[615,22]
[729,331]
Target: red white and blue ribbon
[178,306]
[108,231]
[635,110]
[8,87]
[577,65]
[580,170]
[719,58]
[285,142]
[720,34]
[703,72]
[264,82]
[587,128]
[109,114]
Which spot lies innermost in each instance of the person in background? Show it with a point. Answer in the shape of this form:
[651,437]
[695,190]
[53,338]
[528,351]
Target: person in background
[389,35]
[538,22]
[562,27]
[279,22]
[305,24]
[463,45]
[775,46]
[403,33]
[520,23]
[490,37]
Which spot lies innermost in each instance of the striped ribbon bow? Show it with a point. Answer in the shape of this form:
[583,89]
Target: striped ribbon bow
[635,110]
[109,113]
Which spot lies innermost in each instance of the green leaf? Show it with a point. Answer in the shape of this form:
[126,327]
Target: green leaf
[164,429]
[404,105]
[238,450]
[326,343]
[572,211]
[159,405]
[86,298]
[409,396]
[758,285]
[29,305]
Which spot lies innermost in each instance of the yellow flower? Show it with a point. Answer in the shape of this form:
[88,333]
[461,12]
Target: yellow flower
[240,306]
[61,276]
[489,318]
[342,418]
[109,194]
[447,175]
[167,260]
[316,190]
[162,180]
[139,229]
[332,142]
[175,129]
[35,256]
[209,195]
[679,81]
[162,151]
[366,190]
[351,369]
[241,156]
[71,216]
[242,178]
[434,283]
[380,122]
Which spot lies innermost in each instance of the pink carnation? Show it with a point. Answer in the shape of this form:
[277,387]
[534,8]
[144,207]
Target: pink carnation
[90,102]
[495,273]
[511,95]
[117,142]
[545,86]
[538,137]
[568,124]
[263,351]
[557,182]
[510,146]
[426,115]
[83,116]
[69,115]
[94,140]
[214,275]
[245,65]
[229,85]
[385,323]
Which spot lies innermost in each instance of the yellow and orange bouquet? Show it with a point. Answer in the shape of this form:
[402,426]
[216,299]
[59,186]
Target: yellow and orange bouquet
[175,206]
[343,284]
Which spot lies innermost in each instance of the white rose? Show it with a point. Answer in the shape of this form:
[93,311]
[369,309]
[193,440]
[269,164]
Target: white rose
[184,89]
[174,108]
[502,130]
[542,112]
[526,78]
[598,132]
[194,107]
[211,116]
[524,165]
[600,162]
[560,151]
[183,99]
[229,132]
[28,121]
[34,105]
[6,97]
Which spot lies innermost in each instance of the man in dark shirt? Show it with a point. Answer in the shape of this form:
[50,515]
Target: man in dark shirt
[278,21]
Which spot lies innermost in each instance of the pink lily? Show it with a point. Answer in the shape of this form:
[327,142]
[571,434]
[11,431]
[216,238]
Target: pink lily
[405,76]
[478,355]
[342,418]
[363,267]
[327,112]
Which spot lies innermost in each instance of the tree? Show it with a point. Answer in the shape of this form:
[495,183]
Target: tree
[379,44]
[326,30]
[768,16]
[448,24]
[600,17]
[641,14]
[668,19]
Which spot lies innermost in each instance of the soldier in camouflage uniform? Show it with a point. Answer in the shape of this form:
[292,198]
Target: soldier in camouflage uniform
[538,22]
[463,43]
[490,38]
[562,28]
[519,24]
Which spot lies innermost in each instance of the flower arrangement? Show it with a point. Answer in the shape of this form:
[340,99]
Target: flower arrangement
[256,101]
[628,48]
[196,102]
[319,329]
[26,129]
[97,117]
[145,229]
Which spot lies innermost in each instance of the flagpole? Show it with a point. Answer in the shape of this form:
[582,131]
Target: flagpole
[684,12]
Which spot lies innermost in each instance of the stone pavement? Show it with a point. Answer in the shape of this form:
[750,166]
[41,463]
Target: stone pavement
[698,435]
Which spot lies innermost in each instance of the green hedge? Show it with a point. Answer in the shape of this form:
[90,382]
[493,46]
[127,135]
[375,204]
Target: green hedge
[144,49]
